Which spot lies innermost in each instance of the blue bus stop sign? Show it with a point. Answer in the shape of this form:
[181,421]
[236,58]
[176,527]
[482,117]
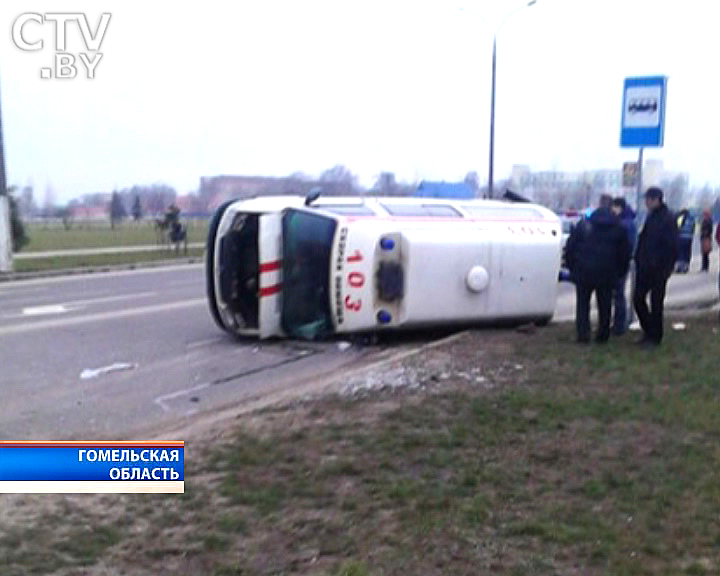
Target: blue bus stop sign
[643,115]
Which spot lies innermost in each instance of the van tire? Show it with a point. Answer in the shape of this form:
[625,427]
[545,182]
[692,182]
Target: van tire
[543,321]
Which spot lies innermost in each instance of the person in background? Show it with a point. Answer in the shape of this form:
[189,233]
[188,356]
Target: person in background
[597,255]
[686,228]
[172,220]
[706,230]
[655,257]
[627,218]
[172,214]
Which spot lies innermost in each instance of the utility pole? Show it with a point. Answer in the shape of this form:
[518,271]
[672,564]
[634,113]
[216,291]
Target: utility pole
[491,162]
[492,119]
[6,264]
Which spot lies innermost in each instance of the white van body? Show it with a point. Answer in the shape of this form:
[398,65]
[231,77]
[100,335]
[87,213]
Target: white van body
[279,267]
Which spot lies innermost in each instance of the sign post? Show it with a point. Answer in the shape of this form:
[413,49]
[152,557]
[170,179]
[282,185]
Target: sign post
[643,117]
[643,125]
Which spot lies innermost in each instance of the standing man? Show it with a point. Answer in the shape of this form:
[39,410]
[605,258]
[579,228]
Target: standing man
[657,251]
[597,255]
[627,218]
[172,219]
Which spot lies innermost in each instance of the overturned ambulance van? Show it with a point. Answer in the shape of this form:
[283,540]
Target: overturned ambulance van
[308,268]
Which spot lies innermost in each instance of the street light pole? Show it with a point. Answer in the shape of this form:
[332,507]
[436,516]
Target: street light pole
[3,180]
[5,225]
[492,119]
[492,96]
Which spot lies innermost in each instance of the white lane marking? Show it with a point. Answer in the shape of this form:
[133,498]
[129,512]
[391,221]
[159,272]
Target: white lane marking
[89,318]
[161,400]
[95,372]
[110,298]
[75,305]
[44,296]
[42,310]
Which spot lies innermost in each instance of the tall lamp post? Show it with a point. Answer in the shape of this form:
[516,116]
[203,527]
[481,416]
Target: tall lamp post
[492,93]
[5,231]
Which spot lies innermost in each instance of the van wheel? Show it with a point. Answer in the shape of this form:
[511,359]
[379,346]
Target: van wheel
[209,263]
[543,321]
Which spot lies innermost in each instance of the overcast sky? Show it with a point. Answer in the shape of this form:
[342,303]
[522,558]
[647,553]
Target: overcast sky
[272,87]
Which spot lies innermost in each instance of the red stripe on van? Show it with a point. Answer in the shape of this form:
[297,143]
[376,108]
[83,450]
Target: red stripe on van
[270,266]
[270,290]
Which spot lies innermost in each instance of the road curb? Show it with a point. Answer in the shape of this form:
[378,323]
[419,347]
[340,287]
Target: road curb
[18,276]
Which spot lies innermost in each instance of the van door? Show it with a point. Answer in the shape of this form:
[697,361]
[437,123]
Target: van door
[270,287]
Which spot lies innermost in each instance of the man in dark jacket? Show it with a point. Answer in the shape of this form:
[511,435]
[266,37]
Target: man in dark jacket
[597,255]
[657,251]
[627,218]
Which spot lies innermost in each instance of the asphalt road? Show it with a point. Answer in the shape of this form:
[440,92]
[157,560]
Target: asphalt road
[694,289]
[106,356]
[102,356]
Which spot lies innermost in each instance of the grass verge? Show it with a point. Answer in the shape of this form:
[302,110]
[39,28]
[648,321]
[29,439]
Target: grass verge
[53,236]
[499,453]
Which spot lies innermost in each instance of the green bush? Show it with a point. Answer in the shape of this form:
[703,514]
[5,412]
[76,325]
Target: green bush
[19,238]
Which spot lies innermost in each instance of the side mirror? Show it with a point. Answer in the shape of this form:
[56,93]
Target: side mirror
[312,196]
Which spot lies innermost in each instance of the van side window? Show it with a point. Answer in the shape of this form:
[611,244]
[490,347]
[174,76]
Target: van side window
[423,210]
[500,213]
[346,209]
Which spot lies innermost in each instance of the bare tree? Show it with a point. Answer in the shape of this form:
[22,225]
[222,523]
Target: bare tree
[117,210]
[26,202]
[338,181]
[49,203]
[705,197]
[136,208]
[385,185]
[17,228]
[473,180]
[675,192]
[154,199]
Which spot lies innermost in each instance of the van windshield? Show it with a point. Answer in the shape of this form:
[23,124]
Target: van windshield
[307,245]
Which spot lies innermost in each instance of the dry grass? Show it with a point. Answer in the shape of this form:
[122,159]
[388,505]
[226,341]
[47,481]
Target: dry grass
[500,453]
[53,236]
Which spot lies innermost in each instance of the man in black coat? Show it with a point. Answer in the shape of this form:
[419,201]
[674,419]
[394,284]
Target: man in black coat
[655,256]
[597,254]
